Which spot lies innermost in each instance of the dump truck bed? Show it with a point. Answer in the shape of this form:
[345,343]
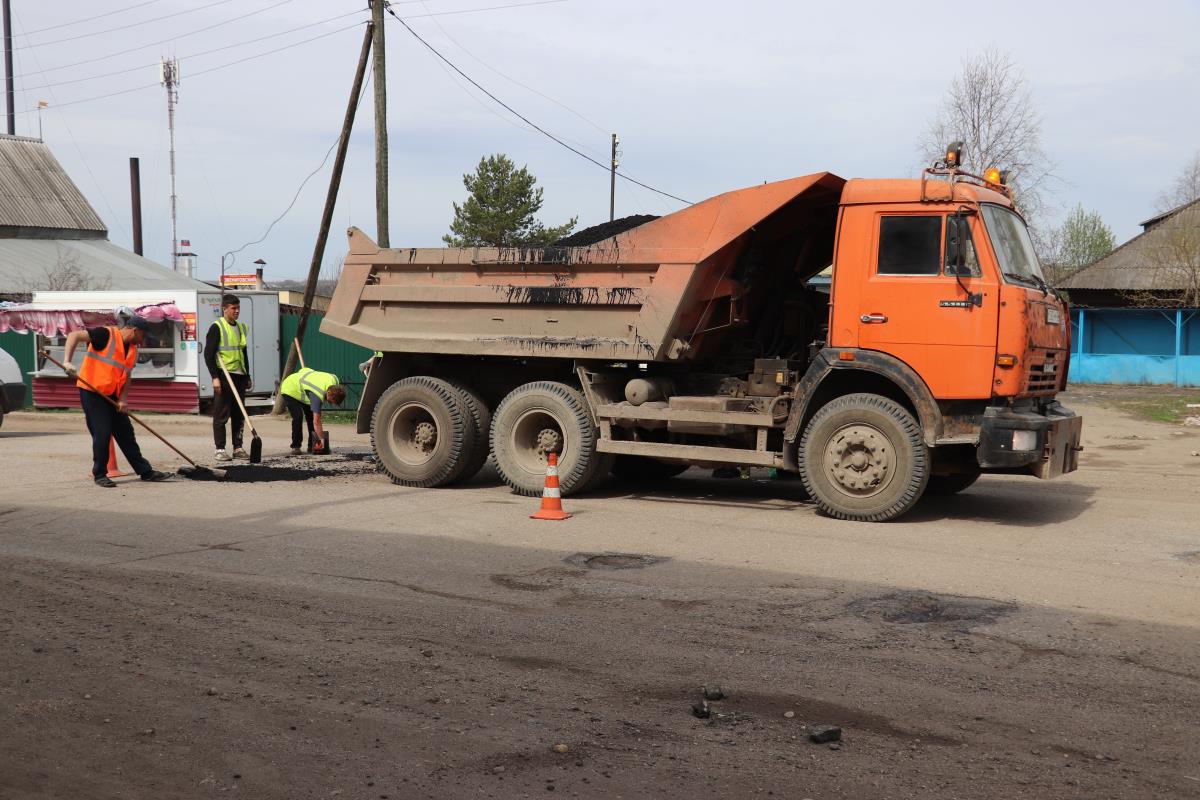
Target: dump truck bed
[648,294]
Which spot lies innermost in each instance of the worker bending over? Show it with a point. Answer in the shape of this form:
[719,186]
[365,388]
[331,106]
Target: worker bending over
[303,392]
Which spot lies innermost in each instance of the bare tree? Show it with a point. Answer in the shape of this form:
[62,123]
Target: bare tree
[1185,189]
[989,107]
[66,275]
[1172,259]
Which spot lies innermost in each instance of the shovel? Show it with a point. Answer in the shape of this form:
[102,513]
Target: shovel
[195,471]
[255,442]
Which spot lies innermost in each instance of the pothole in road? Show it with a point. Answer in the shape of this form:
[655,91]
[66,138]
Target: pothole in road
[907,608]
[1191,557]
[613,560]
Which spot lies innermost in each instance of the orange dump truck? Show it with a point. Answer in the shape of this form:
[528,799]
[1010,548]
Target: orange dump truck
[700,338]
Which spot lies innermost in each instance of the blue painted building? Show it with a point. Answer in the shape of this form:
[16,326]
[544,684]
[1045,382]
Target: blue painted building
[1136,312]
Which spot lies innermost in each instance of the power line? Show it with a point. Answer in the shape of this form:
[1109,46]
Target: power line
[99,188]
[148,45]
[91,18]
[473,10]
[134,24]
[300,188]
[509,78]
[526,120]
[201,53]
[200,72]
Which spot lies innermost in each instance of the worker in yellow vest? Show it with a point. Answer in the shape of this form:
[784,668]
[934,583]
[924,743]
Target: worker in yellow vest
[226,344]
[303,393]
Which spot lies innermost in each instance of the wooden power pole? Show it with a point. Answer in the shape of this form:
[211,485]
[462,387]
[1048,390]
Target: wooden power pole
[382,237]
[335,181]
[612,180]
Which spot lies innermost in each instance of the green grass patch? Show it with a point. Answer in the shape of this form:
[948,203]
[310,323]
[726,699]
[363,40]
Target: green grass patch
[1167,404]
[339,417]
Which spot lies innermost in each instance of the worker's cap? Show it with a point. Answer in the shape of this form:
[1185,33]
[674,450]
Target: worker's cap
[138,322]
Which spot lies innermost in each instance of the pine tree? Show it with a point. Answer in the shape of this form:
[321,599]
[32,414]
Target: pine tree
[500,209]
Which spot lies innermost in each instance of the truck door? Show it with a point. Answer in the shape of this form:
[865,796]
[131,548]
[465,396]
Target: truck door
[913,306]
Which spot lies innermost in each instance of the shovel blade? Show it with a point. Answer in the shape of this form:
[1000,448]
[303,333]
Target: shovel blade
[255,449]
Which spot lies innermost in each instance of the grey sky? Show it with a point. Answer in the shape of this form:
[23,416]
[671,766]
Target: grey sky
[706,96]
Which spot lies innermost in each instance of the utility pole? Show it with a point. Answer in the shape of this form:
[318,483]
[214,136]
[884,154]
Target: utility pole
[612,182]
[169,77]
[335,181]
[9,96]
[381,141]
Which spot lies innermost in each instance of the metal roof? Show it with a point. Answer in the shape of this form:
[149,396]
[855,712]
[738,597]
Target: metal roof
[29,265]
[1166,257]
[35,192]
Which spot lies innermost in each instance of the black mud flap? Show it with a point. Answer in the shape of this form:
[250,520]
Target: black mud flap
[1060,454]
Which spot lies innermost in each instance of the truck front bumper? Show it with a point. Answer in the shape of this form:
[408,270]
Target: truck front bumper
[1045,444]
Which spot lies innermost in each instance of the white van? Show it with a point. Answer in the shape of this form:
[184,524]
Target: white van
[12,388]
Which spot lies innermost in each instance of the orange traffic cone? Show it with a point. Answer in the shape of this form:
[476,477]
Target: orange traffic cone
[551,497]
[113,471]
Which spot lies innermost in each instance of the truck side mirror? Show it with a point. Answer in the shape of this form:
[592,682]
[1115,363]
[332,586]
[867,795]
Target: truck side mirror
[956,253]
[957,234]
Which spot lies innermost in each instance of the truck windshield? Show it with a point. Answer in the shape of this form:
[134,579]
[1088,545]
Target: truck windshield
[1014,248]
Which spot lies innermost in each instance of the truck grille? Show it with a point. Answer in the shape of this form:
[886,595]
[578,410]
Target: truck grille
[1043,372]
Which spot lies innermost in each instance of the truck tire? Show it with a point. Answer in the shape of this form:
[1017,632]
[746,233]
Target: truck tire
[944,485]
[863,458]
[421,431]
[481,423]
[539,418]
[641,469]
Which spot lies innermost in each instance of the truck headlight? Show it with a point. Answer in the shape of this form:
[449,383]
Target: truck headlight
[1024,440]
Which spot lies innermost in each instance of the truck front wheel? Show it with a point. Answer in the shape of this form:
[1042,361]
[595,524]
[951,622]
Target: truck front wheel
[421,432]
[863,458]
[537,419]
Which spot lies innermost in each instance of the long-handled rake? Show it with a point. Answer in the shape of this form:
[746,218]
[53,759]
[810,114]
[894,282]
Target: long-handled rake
[195,471]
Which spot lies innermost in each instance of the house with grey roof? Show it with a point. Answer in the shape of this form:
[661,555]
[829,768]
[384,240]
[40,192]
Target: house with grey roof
[51,239]
[57,262]
[1136,312]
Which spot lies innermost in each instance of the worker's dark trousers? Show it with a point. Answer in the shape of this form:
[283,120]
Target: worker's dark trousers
[225,409]
[301,415]
[104,422]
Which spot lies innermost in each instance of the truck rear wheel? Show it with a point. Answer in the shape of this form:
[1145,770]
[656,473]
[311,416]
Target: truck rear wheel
[537,419]
[481,423]
[421,432]
[863,458]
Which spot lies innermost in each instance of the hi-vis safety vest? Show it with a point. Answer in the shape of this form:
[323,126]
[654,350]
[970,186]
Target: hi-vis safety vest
[108,369]
[233,339]
[307,380]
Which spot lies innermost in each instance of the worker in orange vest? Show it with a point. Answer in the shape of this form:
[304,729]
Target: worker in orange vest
[111,356]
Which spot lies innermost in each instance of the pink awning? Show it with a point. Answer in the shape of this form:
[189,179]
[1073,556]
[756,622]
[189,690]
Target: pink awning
[26,317]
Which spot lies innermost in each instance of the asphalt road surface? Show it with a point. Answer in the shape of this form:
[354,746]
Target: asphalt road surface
[342,637]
